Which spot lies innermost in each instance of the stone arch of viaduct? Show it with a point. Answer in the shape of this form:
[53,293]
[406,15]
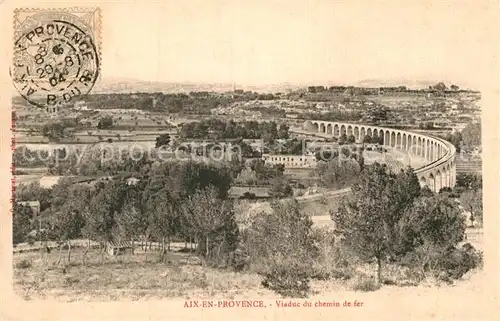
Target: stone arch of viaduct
[440,168]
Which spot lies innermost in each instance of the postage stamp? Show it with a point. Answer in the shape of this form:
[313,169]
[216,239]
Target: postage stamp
[56,55]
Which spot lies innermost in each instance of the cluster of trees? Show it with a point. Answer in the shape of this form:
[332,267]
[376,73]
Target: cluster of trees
[282,248]
[440,86]
[339,170]
[367,139]
[354,90]
[468,138]
[105,122]
[289,147]
[219,129]
[426,125]
[270,111]
[171,103]
[335,115]
[259,174]
[56,162]
[186,201]
[54,131]
[390,219]
[198,102]
[378,114]
[471,135]
[469,190]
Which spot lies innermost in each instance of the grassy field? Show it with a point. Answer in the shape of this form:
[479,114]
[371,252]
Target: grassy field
[142,276]
[135,276]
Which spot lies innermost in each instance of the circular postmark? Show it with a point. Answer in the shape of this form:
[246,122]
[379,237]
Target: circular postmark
[55,61]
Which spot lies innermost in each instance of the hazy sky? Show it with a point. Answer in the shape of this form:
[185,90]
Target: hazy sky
[267,42]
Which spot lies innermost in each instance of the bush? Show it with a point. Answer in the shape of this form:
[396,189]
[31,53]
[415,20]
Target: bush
[239,260]
[248,195]
[365,284]
[332,261]
[459,261]
[441,263]
[280,246]
[30,239]
[23,264]
[289,277]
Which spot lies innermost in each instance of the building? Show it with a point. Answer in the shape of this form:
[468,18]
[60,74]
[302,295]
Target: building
[34,205]
[118,247]
[291,161]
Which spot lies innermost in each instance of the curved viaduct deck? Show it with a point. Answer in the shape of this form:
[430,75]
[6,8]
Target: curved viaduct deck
[440,170]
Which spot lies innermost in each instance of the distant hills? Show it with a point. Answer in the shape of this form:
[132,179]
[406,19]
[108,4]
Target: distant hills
[123,85]
[409,83]
[129,85]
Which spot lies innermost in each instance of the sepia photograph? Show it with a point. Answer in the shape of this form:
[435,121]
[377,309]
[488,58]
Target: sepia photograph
[259,158]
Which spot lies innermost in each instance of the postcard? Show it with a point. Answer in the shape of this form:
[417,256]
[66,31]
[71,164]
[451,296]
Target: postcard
[263,160]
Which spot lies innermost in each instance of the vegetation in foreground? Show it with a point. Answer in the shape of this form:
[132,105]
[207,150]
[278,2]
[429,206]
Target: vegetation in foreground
[389,232]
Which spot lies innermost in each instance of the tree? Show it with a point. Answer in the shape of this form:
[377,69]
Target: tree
[338,172]
[454,87]
[283,131]
[434,220]
[247,177]
[54,131]
[351,139]
[32,192]
[100,217]
[68,208]
[455,139]
[367,222]
[280,188]
[345,151]
[471,135]
[162,140]
[164,220]
[472,200]
[440,86]
[286,261]
[367,139]
[430,231]
[469,181]
[212,220]
[21,217]
[105,122]
[131,219]
[342,139]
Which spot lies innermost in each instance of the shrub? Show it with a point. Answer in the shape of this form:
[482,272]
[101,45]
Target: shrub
[332,261]
[248,195]
[200,280]
[239,260]
[30,239]
[280,246]
[71,280]
[288,276]
[365,284]
[445,264]
[456,262]
[23,264]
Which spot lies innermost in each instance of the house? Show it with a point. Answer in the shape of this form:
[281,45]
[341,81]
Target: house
[118,247]
[291,161]
[34,205]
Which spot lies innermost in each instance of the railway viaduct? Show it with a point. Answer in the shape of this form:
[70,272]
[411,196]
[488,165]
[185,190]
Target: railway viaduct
[439,170]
